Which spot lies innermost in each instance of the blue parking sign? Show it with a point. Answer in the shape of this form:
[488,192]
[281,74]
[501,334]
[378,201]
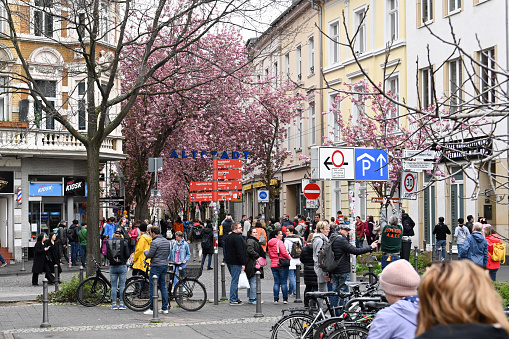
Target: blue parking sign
[371,164]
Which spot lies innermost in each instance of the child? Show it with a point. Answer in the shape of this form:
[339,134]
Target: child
[104,250]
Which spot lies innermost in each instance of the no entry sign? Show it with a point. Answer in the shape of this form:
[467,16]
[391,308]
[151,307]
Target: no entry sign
[312,191]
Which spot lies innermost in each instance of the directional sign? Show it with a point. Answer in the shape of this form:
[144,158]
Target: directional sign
[419,154]
[201,186]
[409,185]
[227,174]
[229,196]
[232,185]
[380,200]
[155,193]
[329,163]
[227,163]
[371,164]
[263,196]
[202,196]
[312,203]
[312,191]
[418,166]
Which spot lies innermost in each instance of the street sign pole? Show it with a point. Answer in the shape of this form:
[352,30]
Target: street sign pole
[216,238]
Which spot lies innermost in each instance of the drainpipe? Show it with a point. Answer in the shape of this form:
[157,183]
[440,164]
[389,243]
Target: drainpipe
[320,19]
[507,69]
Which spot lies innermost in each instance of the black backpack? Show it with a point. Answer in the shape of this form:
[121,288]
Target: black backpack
[115,248]
[206,242]
[72,234]
[326,256]
[197,231]
[296,249]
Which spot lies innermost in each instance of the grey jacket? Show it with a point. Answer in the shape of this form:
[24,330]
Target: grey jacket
[159,251]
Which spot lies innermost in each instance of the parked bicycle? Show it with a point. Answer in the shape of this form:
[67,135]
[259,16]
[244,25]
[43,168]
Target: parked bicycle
[94,290]
[188,292]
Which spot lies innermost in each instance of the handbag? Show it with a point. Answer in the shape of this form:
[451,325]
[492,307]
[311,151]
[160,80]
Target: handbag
[282,262]
[243,281]
[260,262]
[262,239]
[130,261]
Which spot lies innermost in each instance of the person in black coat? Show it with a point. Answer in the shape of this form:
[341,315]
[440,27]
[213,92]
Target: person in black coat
[41,261]
[310,278]
[53,253]
[207,244]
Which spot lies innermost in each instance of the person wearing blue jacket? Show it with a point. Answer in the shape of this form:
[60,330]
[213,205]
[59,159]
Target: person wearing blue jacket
[399,281]
[475,247]
[180,252]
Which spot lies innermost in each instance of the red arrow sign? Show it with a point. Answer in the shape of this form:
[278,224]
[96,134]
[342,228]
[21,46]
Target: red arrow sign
[229,196]
[227,163]
[227,174]
[312,191]
[201,186]
[202,196]
[213,196]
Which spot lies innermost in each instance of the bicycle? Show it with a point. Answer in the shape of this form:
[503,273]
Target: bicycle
[93,290]
[188,292]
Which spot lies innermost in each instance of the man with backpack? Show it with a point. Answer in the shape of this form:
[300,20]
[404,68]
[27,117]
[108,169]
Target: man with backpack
[82,239]
[475,247]
[460,234]
[61,232]
[118,253]
[195,237]
[339,251]
[408,231]
[72,236]
[294,246]
[207,244]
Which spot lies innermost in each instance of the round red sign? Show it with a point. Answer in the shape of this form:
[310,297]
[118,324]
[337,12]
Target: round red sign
[312,191]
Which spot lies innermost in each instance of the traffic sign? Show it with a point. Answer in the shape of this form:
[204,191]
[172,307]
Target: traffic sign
[227,163]
[155,164]
[312,203]
[227,174]
[263,196]
[221,185]
[155,193]
[409,185]
[312,191]
[201,196]
[416,154]
[200,186]
[371,164]
[229,196]
[330,163]
[418,166]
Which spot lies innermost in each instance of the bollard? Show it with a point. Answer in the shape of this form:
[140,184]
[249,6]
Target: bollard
[450,250]
[82,269]
[181,276]
[45,301]
[155,296]
[223,282]
[23,260]
[416,259]
[370,269]
[424,245]
[258,313]
[69,250]
[56,277]
[432,252]
[216,277]
[297,286]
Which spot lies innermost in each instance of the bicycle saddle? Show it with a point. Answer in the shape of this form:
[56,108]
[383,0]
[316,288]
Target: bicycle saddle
[376,305]
[321,294]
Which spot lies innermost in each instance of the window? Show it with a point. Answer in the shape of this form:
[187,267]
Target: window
[358,104]
[334,42]
[49,90]
[275,71]
[287,66]
[392,20]
[43,19]
[289,138]
[392,88]
[488,76]
[105,26]
[82,120]
[4,112]
[299,132]
[453,5]
[427,11]
[311,55]
[427,87]
[299,62]
[4,25]
[455,84]
[266,73]
[360,28]
[312,123]
[81,24]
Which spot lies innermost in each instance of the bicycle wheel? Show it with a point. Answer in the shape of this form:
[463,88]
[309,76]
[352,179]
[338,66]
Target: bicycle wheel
[137,294]
[293,325]
[91,292]
[349,332]
[190,294]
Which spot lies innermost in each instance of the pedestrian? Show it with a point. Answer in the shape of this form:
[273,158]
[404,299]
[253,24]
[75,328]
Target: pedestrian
[460,234]
[164,225]
[4,263]
[399,281]
[41,261]
[277,250]
[139,252]
[118,253]
[492,238]
[158,253]
[441,230]
[195,236]
[292,239]
[246,225]
[310,278]
[104,250]
[109,228]
[369,225]
[470,223]
[235,258]
[133,234]
[390,236]
[475,247]
[82,239]
[359,232]
[253,253]
[52,253]
[261,235]
[340,218]
[207,244]
[342,250]
[61,231]
[408,232]
[72,237]
[179,254]
[178,225]
[320,237]
[458,300]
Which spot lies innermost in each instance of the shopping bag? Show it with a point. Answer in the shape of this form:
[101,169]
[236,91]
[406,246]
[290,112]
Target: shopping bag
[243,281]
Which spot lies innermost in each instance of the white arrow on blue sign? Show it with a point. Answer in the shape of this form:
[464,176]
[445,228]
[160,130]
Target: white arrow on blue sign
[371,164]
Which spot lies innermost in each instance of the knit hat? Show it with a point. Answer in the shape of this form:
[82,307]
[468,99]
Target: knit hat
[399,279]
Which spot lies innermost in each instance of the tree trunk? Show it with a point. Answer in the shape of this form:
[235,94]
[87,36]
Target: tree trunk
[141,212]
[93,234]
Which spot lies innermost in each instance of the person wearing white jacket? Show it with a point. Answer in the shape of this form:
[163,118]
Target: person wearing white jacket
[290,239]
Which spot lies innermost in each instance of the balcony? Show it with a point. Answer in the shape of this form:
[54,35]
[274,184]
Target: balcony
[17,139]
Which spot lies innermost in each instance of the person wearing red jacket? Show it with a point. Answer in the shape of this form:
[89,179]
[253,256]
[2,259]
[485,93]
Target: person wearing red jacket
[491,238]
[359,232]
[277,249]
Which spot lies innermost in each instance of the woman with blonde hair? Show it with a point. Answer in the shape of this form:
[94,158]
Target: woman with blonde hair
[457,300]
[319,238]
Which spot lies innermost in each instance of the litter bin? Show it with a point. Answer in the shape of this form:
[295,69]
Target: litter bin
[406,245]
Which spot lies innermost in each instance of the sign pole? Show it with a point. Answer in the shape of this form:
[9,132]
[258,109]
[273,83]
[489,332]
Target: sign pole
[216,238]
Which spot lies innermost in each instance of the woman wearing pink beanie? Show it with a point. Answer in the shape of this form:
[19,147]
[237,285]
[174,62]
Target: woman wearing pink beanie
[399,281]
